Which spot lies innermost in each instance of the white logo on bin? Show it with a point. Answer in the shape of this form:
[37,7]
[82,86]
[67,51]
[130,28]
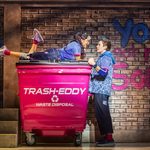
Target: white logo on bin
[54,98]
[54,91]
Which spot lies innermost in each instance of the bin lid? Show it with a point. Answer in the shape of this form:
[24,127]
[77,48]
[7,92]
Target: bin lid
[67,67]
[43,62]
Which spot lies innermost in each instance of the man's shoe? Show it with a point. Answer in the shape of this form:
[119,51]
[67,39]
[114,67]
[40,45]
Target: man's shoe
[105,143]
[2,50]
[37,36]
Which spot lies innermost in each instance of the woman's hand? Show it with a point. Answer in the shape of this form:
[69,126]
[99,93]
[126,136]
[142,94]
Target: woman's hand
[78,58]
[91,61]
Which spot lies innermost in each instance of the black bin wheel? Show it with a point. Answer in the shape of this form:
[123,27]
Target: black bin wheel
[78,139]
[30,141]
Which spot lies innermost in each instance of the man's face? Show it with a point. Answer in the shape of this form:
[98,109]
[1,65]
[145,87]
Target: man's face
[100,47]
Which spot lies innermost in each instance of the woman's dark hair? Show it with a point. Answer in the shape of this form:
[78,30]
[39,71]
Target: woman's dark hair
[78,36]
[106,42]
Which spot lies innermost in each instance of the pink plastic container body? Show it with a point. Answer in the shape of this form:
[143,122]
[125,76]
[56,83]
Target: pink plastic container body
[53,97]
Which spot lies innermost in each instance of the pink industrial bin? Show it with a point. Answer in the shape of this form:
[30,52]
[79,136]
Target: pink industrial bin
[53,99]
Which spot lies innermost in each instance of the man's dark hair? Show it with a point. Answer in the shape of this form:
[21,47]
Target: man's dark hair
[106,42]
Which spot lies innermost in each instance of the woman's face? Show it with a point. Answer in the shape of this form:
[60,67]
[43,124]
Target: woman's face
[85,43]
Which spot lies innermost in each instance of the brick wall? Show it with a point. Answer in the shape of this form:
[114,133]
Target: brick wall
[1,59]
[130,100]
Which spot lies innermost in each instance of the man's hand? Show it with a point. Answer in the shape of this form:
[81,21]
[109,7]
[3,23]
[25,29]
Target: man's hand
[91,61]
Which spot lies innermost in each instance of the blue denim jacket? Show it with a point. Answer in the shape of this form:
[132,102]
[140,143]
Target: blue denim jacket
[102,86]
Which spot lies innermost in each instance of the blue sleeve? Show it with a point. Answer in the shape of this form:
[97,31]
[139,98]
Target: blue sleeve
[75,47]
[104,64]
[103,72]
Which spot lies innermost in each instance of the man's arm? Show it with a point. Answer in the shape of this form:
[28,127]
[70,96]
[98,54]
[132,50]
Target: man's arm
[102,71]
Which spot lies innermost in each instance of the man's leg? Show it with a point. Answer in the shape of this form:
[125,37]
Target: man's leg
[104,119]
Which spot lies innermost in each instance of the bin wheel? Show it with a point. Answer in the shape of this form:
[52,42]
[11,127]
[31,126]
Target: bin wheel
[78,139]
[30,140]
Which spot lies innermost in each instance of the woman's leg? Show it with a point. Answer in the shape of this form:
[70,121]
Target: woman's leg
[37,38]
[51,54]
[4,51]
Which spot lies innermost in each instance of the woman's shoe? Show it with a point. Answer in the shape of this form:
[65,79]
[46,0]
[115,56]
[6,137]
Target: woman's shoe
[37,36]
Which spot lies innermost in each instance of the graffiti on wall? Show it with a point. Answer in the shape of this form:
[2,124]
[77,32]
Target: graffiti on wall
[140,33]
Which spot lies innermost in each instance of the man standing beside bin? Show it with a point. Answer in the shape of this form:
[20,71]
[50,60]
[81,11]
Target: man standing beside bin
[100,87]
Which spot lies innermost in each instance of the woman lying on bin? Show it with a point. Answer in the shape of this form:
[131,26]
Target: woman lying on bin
[72,51]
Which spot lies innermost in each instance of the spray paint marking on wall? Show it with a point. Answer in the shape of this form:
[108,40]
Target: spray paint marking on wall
[138,79]
[139,32]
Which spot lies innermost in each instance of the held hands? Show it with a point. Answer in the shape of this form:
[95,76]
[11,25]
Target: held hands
[91,61]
